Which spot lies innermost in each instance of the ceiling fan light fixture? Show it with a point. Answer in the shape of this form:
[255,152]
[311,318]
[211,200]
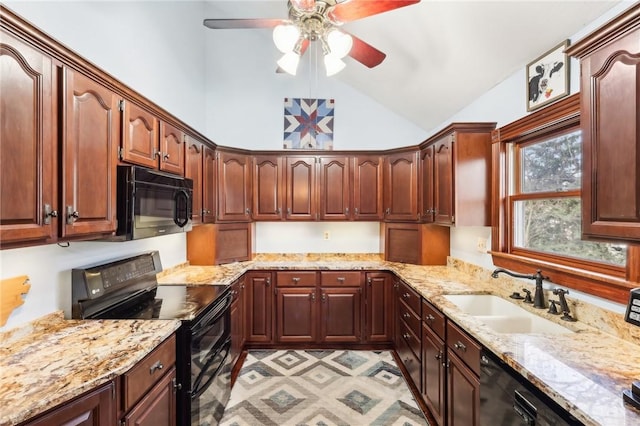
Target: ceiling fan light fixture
[289,62]
[333,64]
[339,43]
[285,37]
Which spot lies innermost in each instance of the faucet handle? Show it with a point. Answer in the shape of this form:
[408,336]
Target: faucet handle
[527,298]
[553,309]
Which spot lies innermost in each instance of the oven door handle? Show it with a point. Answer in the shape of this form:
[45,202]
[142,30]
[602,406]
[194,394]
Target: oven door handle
[197,389]
[181,198]
[216,313]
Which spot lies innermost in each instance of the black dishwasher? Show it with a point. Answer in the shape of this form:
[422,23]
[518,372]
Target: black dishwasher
[507,399]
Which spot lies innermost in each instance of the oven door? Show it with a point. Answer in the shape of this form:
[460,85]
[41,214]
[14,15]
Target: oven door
[211,364]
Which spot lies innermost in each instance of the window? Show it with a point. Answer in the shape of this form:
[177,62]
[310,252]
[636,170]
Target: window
[537,207]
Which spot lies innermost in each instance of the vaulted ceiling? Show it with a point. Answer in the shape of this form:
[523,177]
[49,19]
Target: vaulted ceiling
[441,55]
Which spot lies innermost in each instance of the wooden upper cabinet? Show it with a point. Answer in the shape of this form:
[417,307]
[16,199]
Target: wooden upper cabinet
[172,149]
[89,146]
[401,187]
[610,121]
[443,180]
[234,187]
[193,169]
[335,199]
[268,187]
[301,191]
[28,147]
[209,185]
[139,136]
[426,184]
[367,188]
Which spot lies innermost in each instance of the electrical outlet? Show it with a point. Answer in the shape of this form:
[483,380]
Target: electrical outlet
[481,245]
[326,235]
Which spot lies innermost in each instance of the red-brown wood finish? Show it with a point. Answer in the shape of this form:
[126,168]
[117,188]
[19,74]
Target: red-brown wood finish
[301,189]
[268,187]
[379,307]
[296,316]
[367,188]
[259,300]
[95,408]
[340,314]
[443,181]
[434,374]
[193,169]
[610,121]
[237,319]
[463,393]
[234,187]
[158,407]
[139,136]
[401,187]
[28,148]
[426,184]
[172,149]
[335,199]
[209,193]
[89,151]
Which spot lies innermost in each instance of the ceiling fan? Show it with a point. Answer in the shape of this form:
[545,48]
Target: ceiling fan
[319,20]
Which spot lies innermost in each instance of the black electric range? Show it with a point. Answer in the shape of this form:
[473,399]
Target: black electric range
[128,289]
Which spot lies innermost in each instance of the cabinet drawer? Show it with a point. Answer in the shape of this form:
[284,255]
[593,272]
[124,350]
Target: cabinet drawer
[411,339]
[340,279]
[296,279]
[410,297]
[464,346]
[409,317]
[433,318]
[147,372]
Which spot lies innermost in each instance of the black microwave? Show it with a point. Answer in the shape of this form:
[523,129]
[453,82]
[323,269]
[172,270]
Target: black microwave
[152,203]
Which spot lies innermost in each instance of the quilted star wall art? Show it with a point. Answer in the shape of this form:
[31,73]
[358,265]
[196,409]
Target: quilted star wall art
[308,123]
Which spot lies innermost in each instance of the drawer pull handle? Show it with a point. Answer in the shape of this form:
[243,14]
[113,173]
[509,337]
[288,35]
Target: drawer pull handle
[406,336]
[406,295]
[438,356]
[406,315]
[460,346]
[296,280]
[340,279]
[156,366]
[429,318]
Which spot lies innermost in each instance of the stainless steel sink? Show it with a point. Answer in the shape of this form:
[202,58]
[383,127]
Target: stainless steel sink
[503,316]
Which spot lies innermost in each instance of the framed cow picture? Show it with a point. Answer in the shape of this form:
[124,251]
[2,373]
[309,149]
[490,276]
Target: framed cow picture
[548,77]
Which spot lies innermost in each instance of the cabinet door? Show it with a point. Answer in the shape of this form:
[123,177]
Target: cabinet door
[95,408]
[237,319]
[234,187]
[426,184]
[340,314]
[367,188]
[379,307]
[268,198]
[401,187]
[433,374]
[158,407]
[259,302]
[139,136]
[90,143]
[172,146]
[301,196]
[296,315]
[443,181]
[209,185]
[28,147]
[610,108]
[193,170]
[463,393]
[335,197]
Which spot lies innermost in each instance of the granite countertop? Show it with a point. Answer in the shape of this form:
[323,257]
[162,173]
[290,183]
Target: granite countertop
[584,371]
[52,360]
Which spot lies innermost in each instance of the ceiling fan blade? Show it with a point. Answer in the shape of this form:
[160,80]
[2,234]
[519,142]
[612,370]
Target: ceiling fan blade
[226,24]
[304,4]
[351,10]
[366,54]
[303,48]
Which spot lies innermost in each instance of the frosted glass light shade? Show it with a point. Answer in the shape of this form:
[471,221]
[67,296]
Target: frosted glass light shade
[289,62]
[285,37]
[333,64]
[339,43]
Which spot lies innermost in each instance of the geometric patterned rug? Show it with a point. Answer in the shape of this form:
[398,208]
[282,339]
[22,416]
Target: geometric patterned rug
[321,388]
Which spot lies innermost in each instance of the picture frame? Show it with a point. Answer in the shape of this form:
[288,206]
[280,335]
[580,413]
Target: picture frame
[548,77]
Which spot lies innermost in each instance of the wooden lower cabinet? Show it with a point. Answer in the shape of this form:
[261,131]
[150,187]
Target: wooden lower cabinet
[340,314]
[296,315]
[463,393]
[379,295]
[237,319]
[434,374]
[96,407]
[157,407]
[259,305]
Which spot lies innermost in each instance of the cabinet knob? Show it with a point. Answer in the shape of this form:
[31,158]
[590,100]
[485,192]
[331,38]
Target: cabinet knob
[72,215]
[313,297]
[406,295]
[407,315]
[247,211]
[341,280]
[48,214]
[346,211]
[406,336]
[268,281]
[460,346]
[156,366]
[438,356]
[429,318]
[278,211]
[324,297]
[295,280]
[369,281]
[356,211]
[165,157]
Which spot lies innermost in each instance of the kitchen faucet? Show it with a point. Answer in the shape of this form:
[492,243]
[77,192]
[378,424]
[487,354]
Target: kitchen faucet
[564,307]
[538,297]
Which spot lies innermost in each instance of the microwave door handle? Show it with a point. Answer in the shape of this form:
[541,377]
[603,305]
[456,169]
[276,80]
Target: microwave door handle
[181,222]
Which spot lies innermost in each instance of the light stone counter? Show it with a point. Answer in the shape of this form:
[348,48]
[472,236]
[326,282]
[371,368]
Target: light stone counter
[52,360]
[585,371]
